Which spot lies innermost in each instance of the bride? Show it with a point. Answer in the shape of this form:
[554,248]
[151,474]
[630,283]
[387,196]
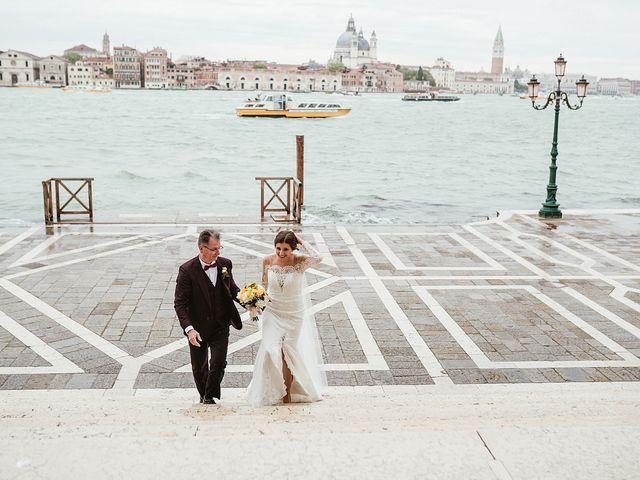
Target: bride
[287,366]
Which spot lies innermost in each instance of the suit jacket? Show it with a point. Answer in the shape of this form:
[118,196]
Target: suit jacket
[192,300]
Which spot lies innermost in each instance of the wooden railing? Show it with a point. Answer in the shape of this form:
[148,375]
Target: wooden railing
[53,187]
[285,193]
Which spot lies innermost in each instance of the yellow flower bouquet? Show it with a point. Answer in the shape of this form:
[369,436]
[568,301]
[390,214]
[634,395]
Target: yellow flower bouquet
[254,298]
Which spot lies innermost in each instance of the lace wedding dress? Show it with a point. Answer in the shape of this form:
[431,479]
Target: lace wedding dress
[288,328]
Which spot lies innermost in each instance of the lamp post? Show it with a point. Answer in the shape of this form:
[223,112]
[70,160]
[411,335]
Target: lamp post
[551,208]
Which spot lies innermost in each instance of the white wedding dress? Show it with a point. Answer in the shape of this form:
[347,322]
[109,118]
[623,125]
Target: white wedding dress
[288,327]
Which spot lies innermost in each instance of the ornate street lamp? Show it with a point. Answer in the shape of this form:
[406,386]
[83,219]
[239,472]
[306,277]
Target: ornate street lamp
[551,208]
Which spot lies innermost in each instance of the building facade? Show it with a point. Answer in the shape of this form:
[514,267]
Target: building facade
[155,69]
[467,84]
[83,75]
[53,70]
[379,77]
[18,67]
[181,77]
[353,50]
[127,67]
[549,82]
[281,78]
[443,73]
[614,86]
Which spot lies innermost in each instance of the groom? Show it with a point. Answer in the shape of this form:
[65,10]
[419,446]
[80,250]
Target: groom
[204,297]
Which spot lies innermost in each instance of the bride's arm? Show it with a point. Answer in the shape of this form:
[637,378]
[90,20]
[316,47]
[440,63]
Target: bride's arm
[310,256]
[265,266]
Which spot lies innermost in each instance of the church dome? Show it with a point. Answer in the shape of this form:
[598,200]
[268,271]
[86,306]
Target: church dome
[363,44]
[344,40]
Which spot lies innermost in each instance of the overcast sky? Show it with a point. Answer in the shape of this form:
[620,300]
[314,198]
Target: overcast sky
[599,38]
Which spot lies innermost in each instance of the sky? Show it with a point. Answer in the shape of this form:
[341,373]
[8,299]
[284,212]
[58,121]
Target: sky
[597,38]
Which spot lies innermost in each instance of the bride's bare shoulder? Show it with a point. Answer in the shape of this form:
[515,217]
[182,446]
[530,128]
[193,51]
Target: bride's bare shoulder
[267,260]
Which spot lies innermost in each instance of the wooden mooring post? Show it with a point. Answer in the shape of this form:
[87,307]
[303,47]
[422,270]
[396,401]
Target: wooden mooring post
[284,195]
[56,186]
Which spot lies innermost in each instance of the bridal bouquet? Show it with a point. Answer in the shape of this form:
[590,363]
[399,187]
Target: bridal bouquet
[254,298]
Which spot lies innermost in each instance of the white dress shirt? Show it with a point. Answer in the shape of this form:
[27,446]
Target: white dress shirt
[212,273]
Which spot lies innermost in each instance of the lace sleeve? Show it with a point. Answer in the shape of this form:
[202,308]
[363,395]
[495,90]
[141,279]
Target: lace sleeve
[265,276]
[310,257]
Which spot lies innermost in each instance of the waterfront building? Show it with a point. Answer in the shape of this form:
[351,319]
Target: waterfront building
[549,82]
[614,86]
[18,68]
[181,77]
[635,87]
[82,50]
[497,59]
[53,70]
[443,73]
[81,75]
[480,82]
[106,45]
[353,50]
[271,76]
[84,75]
[155,69]
[206,77]
[127,67]
[100,63]
[378,77]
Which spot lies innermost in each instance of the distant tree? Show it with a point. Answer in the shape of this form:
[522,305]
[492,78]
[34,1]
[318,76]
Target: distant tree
[420,75]
[109,71]
[259,66]
[335,67]
[519,87]
[429,78]
[73,57]
[408,74]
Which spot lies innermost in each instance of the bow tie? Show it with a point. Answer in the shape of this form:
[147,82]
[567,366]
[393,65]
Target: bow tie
[207,267]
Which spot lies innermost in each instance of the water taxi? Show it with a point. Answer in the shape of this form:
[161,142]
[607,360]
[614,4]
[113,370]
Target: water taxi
[281,105]
[429,97]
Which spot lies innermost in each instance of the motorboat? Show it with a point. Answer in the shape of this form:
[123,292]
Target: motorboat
[280,105]
[429,97]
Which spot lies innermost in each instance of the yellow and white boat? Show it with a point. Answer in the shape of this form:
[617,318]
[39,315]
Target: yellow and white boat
[281,105]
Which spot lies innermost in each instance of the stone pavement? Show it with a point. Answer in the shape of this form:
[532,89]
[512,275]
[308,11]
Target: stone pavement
[508,300]
[503,349]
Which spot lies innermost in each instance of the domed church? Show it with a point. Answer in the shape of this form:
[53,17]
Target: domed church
[353,50]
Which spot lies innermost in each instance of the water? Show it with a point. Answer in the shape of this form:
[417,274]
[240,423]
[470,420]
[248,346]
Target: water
[388,161]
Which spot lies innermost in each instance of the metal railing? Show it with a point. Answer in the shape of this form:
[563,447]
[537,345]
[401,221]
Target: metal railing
[54,187]
[285,193]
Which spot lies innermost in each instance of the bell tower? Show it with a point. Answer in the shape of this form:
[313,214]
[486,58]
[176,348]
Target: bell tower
[497,59]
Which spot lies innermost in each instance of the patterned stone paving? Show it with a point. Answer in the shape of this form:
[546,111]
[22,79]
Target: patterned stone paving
[504,301]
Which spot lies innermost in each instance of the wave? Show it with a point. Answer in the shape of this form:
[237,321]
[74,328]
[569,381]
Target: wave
[127,175]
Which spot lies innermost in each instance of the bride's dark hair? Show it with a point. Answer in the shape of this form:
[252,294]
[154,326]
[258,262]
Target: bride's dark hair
[288,237]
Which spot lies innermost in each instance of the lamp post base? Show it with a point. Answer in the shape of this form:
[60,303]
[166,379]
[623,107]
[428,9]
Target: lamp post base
[550,211]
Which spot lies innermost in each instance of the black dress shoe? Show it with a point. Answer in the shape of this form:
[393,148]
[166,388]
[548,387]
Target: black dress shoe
[208,401]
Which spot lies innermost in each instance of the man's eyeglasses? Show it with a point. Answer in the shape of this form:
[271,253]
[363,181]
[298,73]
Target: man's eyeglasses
[214,250]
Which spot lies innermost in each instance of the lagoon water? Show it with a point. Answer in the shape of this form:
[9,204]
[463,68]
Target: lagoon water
[388,161]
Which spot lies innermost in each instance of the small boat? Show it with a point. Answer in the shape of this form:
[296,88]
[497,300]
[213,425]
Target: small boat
[429,97]
[87,89]
[280,105]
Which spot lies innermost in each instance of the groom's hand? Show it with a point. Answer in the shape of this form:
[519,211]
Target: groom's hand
[194,338]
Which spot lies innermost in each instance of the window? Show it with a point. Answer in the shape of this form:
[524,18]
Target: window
[322,105]
[27,77]
[26,63]
[302,105]
[312,105]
